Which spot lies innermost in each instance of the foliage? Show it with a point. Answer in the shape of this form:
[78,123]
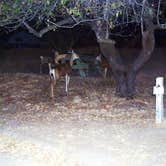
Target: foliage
[39,14]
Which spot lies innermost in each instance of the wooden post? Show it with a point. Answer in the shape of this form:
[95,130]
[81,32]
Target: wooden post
[158,90]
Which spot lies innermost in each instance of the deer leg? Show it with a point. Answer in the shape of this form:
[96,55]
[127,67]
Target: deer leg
[105,72]
[51,91]
[52,85]
[40,68]
[67,80]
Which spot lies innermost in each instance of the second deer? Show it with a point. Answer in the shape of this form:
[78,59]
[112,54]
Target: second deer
[103,64]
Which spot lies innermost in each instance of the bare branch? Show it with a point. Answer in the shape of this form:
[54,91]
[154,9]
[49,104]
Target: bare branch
[46,29]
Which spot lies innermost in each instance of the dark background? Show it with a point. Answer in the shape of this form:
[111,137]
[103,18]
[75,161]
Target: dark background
[21,51]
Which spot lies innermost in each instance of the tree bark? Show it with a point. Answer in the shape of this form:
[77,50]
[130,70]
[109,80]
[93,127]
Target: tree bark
[108,49]
[125,77]
[148,44]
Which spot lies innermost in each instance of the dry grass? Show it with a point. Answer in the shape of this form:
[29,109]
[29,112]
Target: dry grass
[26,97]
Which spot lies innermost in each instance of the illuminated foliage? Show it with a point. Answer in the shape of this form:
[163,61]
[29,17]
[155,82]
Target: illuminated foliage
[37,14]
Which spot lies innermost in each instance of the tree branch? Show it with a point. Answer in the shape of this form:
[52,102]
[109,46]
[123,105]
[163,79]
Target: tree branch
[158,12]
[46,29]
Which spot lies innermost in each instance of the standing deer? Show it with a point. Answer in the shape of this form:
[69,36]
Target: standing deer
[57,70]
[103,63]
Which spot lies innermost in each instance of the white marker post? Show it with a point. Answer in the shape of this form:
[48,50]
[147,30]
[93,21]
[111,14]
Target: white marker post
[158,90]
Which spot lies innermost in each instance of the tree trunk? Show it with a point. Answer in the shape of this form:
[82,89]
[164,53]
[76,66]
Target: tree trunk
[108,49]
[125,77]
[148,44]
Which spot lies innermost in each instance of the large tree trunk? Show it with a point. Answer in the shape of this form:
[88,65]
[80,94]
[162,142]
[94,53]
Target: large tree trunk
[108,49]
[125,76]
[148,44]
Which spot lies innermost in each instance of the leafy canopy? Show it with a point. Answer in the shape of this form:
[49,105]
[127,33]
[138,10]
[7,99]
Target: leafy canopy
[39,14]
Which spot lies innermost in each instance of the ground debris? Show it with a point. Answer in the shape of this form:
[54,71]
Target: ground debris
[25,97]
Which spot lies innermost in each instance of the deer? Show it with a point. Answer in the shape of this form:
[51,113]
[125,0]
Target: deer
[57,70]
[103,63]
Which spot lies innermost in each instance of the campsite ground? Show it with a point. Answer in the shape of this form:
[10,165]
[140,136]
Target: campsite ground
[90,126]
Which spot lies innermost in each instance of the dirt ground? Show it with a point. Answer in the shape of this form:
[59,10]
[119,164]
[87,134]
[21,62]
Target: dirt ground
[89,126]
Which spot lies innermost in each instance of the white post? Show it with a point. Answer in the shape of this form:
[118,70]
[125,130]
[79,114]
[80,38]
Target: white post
[158,90]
